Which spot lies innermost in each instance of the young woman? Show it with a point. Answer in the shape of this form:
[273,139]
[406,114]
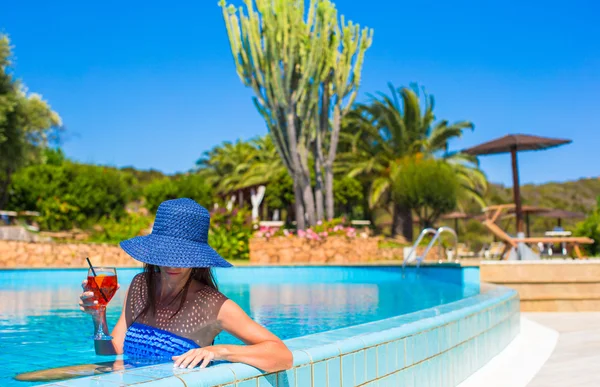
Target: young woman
[173,310]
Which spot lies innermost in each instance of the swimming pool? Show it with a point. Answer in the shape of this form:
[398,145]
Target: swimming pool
[41,326]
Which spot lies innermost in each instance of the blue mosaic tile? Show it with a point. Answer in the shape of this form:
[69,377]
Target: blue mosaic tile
[420,347]
[167,382]
[409,351]
[286,378]
[400,354]
[393,355]
[421,374]
[371,363]
[319,371]
[348,368]
[89,382]
[250,383]
[304,376]
[388,381]
[243,371]
[350,345]
[300,358]
[269,380]
[382,362]
[360,367]
[334,377]
[433,342]
[208,377]
[323,352]
[123,378]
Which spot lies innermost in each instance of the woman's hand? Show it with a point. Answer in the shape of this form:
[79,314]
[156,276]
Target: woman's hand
[193,357]
[87,302]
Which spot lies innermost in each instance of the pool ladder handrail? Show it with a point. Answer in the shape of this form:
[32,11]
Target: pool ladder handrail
[425,231]
[436,237]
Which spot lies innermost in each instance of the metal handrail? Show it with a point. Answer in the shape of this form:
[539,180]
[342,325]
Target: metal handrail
[414,248]
[434,239]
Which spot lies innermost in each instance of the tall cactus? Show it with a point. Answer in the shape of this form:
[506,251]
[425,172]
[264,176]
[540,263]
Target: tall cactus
[279,54]
[348,46]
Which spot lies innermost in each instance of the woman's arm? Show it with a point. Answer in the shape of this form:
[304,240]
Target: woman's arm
[104,347]
[263,349]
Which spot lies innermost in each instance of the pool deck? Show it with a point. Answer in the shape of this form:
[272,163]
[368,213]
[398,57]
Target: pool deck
[553,349]
[574,361]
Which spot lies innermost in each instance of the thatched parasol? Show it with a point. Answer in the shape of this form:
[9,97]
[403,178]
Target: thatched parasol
[512,144]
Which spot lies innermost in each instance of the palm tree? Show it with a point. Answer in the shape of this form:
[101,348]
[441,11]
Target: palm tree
[393,126]
[235,167]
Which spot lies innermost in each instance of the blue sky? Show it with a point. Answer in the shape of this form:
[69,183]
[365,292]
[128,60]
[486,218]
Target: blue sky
[152,84]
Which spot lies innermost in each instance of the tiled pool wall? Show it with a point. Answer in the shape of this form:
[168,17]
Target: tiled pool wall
[435,347]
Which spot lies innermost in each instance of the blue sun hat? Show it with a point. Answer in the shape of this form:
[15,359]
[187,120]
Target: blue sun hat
[179,238]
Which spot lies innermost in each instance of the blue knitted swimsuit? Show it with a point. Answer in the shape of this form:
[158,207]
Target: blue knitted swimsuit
[165,334]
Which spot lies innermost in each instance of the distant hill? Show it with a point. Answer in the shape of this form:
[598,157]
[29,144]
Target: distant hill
[577,196]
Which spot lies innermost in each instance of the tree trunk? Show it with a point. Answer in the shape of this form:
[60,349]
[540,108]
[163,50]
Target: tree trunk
[329,204]
[333,143]
[304,203]
[4,189]
[318,180]
[402,222]
[299,204]
[306,186]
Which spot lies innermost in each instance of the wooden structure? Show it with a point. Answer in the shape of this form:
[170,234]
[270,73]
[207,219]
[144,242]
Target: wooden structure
[512,144]
[494,212]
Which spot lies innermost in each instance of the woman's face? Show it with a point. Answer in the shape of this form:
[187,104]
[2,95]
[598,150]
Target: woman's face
[175,273]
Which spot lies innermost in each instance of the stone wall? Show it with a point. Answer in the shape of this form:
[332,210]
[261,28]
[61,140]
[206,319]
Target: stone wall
[334,250]
[555,285]
[277,250]
[17,254]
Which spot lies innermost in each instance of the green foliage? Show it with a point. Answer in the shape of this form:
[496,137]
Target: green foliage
[377,135]
[186,186]
[111,230]
[287,53]
[349,196]
[71,195]
[428,186]
[590,228]
[54,156]
[230,233]
[26,123]
[279,193]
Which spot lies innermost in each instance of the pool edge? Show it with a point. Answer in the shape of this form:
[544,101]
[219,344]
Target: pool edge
[442,345]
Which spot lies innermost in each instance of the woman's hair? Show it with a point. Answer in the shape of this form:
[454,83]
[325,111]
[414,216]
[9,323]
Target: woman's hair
[203,275]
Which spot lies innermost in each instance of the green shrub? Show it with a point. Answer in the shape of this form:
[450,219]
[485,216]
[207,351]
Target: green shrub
[230,233]
[186,186]
[111,230]
[428,186]
[71,195]
[590,228]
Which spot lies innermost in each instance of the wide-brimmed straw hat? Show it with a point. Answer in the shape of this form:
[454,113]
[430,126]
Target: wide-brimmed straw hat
[179,238]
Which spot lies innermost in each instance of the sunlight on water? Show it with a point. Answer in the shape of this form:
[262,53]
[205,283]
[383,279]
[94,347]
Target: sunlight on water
[41,326]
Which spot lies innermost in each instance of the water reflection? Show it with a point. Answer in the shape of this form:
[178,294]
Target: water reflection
[41,325]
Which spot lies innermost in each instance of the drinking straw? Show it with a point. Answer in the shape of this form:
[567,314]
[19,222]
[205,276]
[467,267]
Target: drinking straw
[94,273]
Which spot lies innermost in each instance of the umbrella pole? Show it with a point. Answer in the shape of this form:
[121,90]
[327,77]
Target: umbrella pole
[559,222]
[516,190]
[527,223]
[456,225]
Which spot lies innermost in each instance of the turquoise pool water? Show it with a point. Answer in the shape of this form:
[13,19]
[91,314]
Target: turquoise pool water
[41,326]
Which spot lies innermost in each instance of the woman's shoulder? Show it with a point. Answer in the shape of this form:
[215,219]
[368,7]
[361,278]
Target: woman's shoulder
[138,283]
[208,294]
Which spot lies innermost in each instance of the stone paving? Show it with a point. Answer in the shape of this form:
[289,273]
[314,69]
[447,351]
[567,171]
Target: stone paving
[575,361]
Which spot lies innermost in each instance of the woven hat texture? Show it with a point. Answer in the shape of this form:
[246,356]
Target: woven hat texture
[179,238]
